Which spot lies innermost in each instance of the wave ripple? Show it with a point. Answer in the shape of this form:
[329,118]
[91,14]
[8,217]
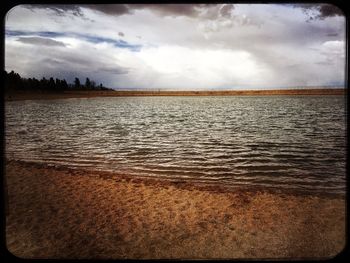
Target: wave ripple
[283,142]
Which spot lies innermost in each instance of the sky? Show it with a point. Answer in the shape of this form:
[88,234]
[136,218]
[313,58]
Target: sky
[179,46]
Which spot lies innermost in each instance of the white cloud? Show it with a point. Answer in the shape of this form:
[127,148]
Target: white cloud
[181,67]
[245,46]
[334,47]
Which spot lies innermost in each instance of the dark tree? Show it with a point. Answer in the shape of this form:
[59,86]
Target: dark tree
[44,83]
[87,83]
[64,84]
[14,82]
[52,84]
[93,84]
[77,83]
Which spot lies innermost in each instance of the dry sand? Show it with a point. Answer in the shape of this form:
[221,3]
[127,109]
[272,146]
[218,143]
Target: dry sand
[65,213]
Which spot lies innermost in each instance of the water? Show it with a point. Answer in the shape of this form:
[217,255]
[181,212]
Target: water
[283,142]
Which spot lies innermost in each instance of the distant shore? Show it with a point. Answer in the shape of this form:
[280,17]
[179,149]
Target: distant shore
[56,212]
[90,94]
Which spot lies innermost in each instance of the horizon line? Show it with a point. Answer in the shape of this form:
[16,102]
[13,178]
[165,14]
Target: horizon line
[228,90]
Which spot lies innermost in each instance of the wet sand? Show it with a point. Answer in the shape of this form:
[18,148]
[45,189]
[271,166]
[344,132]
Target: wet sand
[56,212]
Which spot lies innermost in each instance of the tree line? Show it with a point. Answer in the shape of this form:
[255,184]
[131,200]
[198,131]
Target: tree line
[14,82]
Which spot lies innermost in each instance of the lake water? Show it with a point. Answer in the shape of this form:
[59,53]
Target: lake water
[283,142]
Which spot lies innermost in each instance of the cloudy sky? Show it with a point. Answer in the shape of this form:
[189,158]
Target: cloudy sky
[179,47]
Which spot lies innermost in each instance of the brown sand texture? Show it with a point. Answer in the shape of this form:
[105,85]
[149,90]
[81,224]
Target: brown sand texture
[59,213]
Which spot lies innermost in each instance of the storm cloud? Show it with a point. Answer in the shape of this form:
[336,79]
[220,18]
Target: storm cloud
[60,10]
[208,11]
[180,46]
[320,11]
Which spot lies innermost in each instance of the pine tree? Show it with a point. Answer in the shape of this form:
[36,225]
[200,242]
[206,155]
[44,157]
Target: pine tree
[87,83]
[77,83]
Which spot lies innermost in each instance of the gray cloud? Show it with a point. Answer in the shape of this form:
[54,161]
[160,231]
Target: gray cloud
[41,41]
[60,10]
[111,9]
[332,34]
[327,10]
[201,11]
[53,61]
[313,11]
[65,63]
[320,11]
[189,10]
[113,70]
[325,63]
[207,11]
[226,10]
[273,42]
[162,9]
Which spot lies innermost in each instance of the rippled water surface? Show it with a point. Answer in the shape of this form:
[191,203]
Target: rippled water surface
[294,142]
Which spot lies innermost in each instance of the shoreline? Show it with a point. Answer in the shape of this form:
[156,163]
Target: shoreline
[57,212]
[18,96]
[178,182]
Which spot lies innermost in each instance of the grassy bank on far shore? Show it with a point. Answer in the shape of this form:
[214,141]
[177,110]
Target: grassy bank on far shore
[89,94]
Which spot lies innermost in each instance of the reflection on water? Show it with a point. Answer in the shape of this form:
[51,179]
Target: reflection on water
[295,142]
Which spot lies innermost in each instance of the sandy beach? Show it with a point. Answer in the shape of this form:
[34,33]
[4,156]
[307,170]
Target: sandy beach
[56,212]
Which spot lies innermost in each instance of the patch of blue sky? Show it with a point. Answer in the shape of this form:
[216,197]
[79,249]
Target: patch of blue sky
[30,33]
[50,34]
[116,43]
[14,33]
[89,38]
